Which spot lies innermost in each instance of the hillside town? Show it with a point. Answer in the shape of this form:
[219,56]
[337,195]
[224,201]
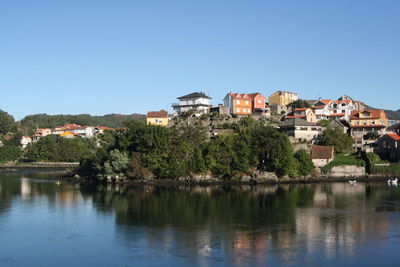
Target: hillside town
[302,120]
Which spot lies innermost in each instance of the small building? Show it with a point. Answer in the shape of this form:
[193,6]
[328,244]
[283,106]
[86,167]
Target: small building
[245,104]
[198,102]
[300,129]
[159,118]
[389,147]
[39,133]
[69,135]
[282,98]
[322,155]
[367,121]
[303,113]
[25,141]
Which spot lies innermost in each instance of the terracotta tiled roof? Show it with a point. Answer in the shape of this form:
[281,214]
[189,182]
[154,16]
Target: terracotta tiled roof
[322,152]
[301,109]
[367,126]
[292,117]
[325,101]
[374,114]
[336,115]
[157,114]
[394,136]
[245,96]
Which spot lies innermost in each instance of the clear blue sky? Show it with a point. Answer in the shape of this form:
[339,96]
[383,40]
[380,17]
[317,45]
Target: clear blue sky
[99,57]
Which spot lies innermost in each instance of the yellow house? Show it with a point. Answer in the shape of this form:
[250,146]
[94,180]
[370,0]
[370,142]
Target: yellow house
[157,118]
[282,98]
[363,122]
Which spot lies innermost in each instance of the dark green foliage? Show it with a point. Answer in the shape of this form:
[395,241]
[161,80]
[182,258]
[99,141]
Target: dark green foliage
[53,148]
[10,153]
[306,165]
[51,121]
[185,150]
[335,137]
[7,123]
[299,104]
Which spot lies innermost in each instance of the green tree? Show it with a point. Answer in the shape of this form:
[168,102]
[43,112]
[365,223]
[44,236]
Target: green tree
[299,104]
[10,153]
[7,123]
[306,165]
[335,137]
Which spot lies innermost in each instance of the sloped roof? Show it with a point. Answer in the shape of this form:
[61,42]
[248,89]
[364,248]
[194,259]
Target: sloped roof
[157,114]
[322,152]
[394,136]
[296,122]
[194,95]
[245,96]
[375,114]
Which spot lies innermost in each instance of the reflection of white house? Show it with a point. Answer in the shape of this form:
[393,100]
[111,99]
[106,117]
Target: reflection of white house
[198,102]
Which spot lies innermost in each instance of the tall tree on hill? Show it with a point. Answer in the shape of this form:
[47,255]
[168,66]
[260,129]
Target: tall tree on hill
[7,123]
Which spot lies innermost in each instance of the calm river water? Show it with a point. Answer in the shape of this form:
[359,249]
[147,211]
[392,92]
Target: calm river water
[43,223]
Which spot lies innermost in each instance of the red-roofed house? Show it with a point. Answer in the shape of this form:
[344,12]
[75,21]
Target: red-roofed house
[39,133]
[321,108]
[389,146]
[322,155]
[363,122]
[245,104]
[159,118]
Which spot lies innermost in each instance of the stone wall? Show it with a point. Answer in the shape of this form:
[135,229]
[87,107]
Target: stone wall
[347,171]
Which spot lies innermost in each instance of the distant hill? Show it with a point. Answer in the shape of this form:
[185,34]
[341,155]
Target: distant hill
[391,114]
[51,121]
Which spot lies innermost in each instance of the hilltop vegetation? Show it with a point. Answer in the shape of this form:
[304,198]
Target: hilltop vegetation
[51,121]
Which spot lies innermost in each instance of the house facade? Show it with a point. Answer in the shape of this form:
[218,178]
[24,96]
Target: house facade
[39,133]
[363,122]
[282,98]
[300,129]
[159,118]
[25,141]
[245,104]
[321,108]
[198,102]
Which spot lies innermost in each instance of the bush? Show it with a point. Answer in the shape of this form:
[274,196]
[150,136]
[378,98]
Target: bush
[10,153]
[335,137]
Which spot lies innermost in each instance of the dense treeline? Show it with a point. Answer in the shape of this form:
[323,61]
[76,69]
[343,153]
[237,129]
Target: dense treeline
[51,121]
[56,149]
[142,150]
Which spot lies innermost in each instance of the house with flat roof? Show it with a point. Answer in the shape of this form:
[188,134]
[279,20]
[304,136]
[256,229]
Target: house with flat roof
[198,102]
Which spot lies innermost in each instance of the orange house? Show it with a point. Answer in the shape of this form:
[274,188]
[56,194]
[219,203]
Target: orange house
[245,104]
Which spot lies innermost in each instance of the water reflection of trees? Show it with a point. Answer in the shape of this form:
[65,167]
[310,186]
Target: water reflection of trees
[247,222]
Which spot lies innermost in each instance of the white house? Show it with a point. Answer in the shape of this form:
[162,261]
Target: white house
[199,102]
[25,141]
[300,129]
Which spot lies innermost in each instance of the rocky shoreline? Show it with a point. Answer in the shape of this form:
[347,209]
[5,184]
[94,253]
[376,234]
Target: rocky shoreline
[260,179]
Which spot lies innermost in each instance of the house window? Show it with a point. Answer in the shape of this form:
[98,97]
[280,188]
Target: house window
[238,110]
[373,122]
[238,102]
[259,101]
[247,102]
[343,104]
[335,111]
[248,110]
[365,122]
[343,111]
[358,122]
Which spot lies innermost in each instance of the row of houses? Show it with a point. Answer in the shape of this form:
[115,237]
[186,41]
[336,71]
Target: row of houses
[67,131]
